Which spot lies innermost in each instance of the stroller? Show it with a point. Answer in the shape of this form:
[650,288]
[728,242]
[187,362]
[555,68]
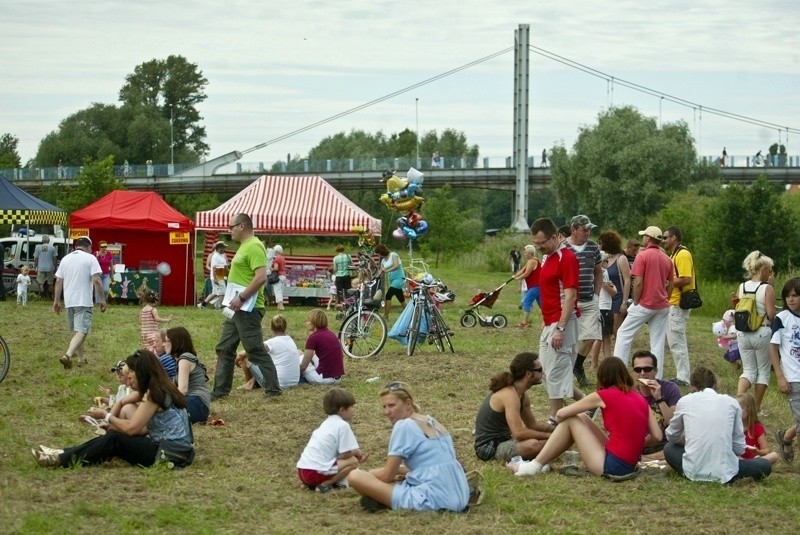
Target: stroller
[472,315]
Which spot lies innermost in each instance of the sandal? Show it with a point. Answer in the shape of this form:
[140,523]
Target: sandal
[787,451]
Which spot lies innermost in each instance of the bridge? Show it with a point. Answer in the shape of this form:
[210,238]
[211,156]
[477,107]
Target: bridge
[349,174]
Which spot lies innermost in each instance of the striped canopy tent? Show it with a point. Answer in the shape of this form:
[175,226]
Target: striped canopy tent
[300,205]
[18,207]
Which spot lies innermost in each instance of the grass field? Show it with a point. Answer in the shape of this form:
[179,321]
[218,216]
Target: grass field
[244,478]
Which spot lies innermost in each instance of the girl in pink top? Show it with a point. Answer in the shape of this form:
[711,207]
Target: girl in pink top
[149,318]
[626,416]
[755,436]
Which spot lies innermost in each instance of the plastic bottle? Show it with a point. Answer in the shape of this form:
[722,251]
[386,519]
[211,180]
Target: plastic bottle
[373,379]
[515,460]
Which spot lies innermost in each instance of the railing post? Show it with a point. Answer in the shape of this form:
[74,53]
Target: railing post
[397,163]
[260,167]
[351,164]
[327,165]
[238,168]
[305,165]
[508,161]
[374,164]
[486,163]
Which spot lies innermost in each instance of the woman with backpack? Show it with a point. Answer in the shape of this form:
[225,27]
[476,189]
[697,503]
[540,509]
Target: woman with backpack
[754,335]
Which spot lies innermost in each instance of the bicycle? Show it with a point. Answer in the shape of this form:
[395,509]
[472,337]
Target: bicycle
[363,332]
[6,364]
[434,327]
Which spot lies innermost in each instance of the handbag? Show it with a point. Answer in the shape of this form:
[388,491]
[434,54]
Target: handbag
[690,299]
[273,278]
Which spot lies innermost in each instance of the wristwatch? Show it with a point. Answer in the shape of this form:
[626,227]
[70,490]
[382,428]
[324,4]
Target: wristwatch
[560,329]
[659,401]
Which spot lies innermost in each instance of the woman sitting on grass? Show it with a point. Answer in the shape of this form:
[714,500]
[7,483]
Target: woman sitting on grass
[626,416]
[421,472]
[159,423]
[192,376]
[323,344]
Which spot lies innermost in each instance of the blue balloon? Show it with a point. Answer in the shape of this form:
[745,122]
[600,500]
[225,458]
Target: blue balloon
[410,233]
[422,226]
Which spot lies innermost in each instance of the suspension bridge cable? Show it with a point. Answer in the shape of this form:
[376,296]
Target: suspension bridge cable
[381,99]
[656,93]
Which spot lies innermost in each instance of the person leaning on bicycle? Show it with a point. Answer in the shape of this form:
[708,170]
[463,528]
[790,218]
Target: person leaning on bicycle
[395,275]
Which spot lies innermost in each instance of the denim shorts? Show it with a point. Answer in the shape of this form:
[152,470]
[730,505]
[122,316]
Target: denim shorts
[614,466]
[79,319]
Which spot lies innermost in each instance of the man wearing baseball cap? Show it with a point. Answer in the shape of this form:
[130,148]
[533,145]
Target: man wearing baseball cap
[590,278]
[77,275]
[651,288]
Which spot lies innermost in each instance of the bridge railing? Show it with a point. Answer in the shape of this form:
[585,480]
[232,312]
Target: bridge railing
[377,165]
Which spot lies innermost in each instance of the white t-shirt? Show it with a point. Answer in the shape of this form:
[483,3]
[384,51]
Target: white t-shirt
[786,335]
[76,270]
[218,260]
[286,357]
[327,441]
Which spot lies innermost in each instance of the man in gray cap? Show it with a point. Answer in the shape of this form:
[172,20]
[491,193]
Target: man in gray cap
[590,278]
[78,273]
[652,285]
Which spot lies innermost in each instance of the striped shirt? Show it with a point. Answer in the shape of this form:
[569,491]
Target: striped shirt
[588,256]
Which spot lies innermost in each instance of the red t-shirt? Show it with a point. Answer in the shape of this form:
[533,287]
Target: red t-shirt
[752,440]
[625,418]
[559,270]
[654,267]
[279,264]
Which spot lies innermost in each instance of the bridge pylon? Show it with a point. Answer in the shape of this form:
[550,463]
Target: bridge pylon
[521,89]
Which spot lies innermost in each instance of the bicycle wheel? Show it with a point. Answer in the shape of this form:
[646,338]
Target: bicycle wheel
[413,328]
[468,320]
[435,330]
[363,335]
[6,363]
[443,332]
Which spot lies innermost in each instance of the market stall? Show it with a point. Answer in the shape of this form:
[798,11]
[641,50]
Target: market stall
[155,244]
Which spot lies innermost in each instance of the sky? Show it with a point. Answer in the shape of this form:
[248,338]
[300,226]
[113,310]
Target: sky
[277,67]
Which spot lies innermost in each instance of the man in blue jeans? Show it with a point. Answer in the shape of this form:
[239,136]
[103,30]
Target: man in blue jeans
[706,436]
[248,273]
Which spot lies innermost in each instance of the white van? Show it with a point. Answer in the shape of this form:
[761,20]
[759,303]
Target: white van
[18,252]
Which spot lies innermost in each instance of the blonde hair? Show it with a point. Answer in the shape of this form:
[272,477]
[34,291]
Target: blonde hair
[748,404]
[24,270]
[755,262]
[278,323]
[401,391]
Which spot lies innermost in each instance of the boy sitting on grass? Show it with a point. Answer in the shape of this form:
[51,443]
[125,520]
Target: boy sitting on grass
[332,452]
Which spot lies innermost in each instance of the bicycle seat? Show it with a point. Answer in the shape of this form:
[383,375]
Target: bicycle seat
[352,292]
[372,304]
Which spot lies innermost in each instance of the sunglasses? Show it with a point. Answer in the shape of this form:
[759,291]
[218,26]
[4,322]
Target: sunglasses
[394,386]
[643,369]
[539,369]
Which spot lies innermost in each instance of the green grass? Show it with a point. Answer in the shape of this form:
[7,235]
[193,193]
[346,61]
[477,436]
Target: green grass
[244,477]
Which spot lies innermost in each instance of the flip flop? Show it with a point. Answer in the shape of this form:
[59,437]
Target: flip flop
[787,451]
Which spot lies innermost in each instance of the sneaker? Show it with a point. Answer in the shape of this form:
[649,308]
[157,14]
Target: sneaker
[66,362]
[528,468]
[48,460]
[679,382]
[199,305]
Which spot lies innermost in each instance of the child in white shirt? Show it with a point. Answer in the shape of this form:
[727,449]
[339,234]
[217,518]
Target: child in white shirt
[23,281]
[332,452]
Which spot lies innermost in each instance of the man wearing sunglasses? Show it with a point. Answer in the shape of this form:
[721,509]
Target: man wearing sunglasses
[662,396]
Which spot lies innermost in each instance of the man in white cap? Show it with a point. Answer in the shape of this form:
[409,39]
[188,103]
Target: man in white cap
[77,274]
[652,285]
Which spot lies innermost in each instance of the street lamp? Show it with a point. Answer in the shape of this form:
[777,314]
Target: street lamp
[416,109]
[171,138]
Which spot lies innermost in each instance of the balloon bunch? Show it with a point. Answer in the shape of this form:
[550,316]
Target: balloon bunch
[404,195]
[410,226]
[366,240]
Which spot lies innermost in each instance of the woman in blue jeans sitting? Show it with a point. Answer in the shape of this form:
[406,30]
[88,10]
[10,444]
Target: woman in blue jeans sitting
[626,416]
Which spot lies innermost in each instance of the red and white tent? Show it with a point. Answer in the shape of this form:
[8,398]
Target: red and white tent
[305,205]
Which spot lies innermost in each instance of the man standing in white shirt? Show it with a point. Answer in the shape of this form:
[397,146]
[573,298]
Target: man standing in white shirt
[705,435]
[78,273]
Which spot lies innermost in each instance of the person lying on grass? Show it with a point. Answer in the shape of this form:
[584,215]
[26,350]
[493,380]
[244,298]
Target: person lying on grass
[333,452]
[626,416]
[159,425]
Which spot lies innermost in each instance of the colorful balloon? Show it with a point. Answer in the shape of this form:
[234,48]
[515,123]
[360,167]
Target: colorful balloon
[398,234]
[421,227]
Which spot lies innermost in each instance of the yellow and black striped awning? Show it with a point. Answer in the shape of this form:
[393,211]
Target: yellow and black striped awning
[32,217]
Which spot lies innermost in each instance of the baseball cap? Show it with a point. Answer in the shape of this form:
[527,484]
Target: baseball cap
[222,243]
[582,221]
[83,241]
[653,232]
